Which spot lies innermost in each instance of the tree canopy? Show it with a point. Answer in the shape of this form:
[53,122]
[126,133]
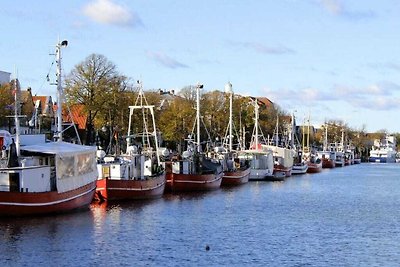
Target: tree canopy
[96,84]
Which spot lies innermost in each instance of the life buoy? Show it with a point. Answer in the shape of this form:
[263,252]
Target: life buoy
[3,148]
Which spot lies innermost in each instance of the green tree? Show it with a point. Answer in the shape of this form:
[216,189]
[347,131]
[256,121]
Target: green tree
[6,103]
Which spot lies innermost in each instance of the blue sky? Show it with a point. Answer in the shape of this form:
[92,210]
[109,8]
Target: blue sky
[332,59]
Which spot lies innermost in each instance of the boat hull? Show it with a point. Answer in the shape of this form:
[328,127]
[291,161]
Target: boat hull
[177,182]
[314,167]
[234,178]
[117,189]
[26,204]
[299,169]
[382,159]
[328,163]
[281,168]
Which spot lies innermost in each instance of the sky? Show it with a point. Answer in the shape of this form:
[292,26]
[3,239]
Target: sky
[323,59]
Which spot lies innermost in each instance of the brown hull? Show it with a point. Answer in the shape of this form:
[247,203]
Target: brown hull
[237,177]
[193,182]
[328,163]
[23,204]
[281,168]
[314,167]
[110,189]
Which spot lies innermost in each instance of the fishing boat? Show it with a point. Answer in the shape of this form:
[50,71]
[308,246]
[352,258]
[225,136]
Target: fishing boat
[340,159]
[193,171]
[300,165]
[260,157]
[384,151]
[41,177]
[236,170]
[314,163]
[137,174]
[327,155]
[283,157]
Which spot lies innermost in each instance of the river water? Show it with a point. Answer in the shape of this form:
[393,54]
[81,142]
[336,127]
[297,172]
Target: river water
[341,217]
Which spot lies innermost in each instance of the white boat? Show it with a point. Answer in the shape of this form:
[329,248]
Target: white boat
[260,157]
[40,177]
[384,151]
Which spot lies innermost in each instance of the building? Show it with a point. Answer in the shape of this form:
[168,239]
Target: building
[4,77]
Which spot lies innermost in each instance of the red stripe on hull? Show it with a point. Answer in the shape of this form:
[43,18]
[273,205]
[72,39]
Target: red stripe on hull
[111,189]
[25,203]
[193,182]
[235,178]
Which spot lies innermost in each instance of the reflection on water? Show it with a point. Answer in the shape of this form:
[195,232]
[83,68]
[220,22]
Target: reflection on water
[347,213]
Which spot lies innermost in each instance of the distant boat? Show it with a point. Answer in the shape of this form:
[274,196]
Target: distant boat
[236,170]
[192,171]
[314,164]
[384,151]
[300,168]
[137,174]
[260,157]
[40,177]
[340,159]
[283,157]
[328,154]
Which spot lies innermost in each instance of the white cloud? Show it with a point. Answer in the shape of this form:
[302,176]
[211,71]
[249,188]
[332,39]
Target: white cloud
[108,12]
[379,96]
[333,6]
[165,60]
[337,8]
[264,49]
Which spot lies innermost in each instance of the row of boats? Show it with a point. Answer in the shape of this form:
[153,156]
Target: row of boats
[40,177]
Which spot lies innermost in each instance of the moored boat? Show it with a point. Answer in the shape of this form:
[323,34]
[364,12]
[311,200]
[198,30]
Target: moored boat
[328,154]
[314,164]
[328,159]
[384,151]
[40,177]
[300,168]
[260,157]
[137,174]
[236,170]
[192,171]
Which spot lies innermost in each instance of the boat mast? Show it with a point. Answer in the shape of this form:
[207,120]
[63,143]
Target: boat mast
[308,134]
[256,122]
[17,115]
[277,131]
[142,104]
[326,138]
[292,130]
[228,89]
[198,87]
[59,89]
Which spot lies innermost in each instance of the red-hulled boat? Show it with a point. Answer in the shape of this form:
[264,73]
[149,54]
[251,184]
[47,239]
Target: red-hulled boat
[39,177]
[236,177]
[314,165]
[205,181]
[113,189]
[193,171]
[137,174]
[236,169]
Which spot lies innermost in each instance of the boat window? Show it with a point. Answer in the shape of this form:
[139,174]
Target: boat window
[65,166]
[85,163]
